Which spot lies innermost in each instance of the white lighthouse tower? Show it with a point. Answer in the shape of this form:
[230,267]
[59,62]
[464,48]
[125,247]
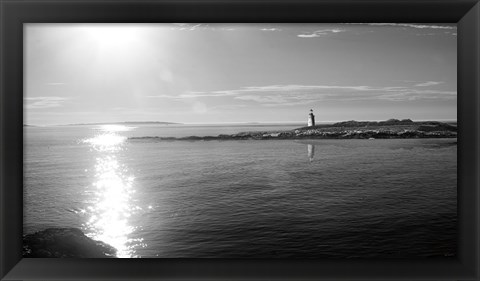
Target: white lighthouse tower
[311,119]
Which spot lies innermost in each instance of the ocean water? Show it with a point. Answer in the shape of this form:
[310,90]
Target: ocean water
[242,199]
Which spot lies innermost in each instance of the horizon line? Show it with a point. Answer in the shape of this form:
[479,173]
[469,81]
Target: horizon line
[165,123]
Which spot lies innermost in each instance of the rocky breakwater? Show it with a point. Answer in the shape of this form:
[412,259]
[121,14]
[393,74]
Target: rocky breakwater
[390,129]
[64,243]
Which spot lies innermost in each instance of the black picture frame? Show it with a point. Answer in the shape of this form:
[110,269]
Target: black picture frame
[14,13]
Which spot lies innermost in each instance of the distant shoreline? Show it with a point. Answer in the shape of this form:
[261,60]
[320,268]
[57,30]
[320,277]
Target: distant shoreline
[390,129]
[124,123]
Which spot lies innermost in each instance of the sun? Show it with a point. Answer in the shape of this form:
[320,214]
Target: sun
[114,37]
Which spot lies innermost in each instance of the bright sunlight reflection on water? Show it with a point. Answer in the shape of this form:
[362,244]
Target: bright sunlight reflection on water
[111,208]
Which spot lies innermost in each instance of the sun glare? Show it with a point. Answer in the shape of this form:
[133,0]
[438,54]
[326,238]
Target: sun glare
[114,37]
[109,218]
[108,139]
[111,206]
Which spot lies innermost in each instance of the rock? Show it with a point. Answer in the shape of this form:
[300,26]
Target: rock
[64,243]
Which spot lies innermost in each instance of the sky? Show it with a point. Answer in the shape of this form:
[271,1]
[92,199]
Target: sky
[232,73]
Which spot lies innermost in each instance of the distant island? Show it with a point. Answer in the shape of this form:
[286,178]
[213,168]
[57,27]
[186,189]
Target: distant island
[125,123]
[389,129]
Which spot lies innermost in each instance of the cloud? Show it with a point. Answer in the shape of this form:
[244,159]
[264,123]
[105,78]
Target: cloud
[322,32]
[43,102]
[426,29]
[290,95]
[200,26]
[428,83]
[453,33]
[227,107]
[188,26]
[271,88]
[195,95]
[418,26]
[163,97]
[271,29]
[425,34]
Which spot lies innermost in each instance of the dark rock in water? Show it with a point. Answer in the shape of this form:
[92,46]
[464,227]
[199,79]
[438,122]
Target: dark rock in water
[64,243]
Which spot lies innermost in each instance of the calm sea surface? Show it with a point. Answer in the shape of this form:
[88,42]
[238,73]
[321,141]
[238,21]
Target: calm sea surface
[254,198]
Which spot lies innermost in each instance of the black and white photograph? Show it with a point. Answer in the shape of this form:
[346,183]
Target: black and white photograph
[240,140]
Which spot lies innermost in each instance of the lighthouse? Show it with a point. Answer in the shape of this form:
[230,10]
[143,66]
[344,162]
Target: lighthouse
[311,119]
